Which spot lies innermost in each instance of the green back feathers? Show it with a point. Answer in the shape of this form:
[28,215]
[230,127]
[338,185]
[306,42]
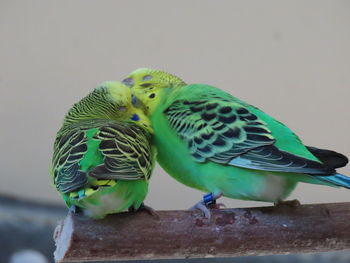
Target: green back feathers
[213,126]
[248,117]
[284,138]
[218,127]
[93,157]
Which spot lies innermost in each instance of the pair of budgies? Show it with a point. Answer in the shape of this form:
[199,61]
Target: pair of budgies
[204,137]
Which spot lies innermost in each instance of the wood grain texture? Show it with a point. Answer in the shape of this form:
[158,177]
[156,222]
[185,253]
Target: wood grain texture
[185,234]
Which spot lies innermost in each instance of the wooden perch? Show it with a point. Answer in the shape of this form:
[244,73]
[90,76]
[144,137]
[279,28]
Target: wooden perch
[184,234]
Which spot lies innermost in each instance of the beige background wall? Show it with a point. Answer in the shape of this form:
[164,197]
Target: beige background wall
[290,58]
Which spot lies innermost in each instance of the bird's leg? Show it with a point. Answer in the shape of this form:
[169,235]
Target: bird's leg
[291,203]
[209,200]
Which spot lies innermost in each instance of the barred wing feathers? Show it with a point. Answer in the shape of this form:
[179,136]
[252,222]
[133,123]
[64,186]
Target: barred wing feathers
[218,128]
[113,150]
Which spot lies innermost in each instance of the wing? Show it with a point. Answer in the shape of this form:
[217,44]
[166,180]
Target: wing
[69,149]
[119,151]
[217,130]
[270,158]
[127,153]
[222,130]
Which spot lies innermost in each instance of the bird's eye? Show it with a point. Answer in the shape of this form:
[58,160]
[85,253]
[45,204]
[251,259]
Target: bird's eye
[128,82]
[147,77]
[146,85]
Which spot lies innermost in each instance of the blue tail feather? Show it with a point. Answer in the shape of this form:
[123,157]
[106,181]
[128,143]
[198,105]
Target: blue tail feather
[336,179]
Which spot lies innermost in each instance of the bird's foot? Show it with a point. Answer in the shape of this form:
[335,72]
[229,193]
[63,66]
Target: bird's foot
[74,209]
[290,203]
[209,201]
[202,207]
[146,208]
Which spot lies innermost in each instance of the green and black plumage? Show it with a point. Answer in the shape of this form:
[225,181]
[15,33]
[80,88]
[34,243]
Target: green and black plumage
[102,157]
[212,141]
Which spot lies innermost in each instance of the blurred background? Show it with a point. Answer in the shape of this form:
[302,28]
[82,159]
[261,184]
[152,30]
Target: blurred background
[289,58]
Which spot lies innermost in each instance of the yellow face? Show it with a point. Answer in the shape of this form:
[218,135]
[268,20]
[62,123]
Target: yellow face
[118,93]
[147,84]
[122,96]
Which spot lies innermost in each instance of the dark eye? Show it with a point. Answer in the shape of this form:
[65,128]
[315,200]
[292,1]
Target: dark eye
[147,77]
[145,85]
[151,96]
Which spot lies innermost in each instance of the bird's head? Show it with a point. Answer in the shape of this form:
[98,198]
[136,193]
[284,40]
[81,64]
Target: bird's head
[147,85]
[111,100]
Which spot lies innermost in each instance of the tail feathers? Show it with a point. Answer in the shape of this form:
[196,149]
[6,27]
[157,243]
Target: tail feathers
[328,157]
[336,180]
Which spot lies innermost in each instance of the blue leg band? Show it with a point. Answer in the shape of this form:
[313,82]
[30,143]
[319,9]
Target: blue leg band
[208,199]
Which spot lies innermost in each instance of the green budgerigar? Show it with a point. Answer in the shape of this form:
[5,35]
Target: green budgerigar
[210,140]
[102,157]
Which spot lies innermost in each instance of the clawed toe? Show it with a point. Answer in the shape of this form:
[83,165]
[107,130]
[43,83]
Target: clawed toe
[74,209]
[146,208]
[209,201]
[201,206]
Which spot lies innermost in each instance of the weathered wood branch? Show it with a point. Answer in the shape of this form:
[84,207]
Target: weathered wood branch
[184,234]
